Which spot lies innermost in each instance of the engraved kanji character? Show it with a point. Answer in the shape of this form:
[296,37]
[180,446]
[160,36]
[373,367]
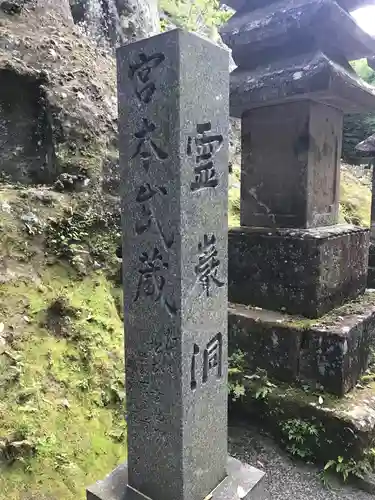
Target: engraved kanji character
[141,70]
[208,264]
[144,137]
[152,281]
[206,146]
[193,381]
[146,192]
[142,225]
[212,357]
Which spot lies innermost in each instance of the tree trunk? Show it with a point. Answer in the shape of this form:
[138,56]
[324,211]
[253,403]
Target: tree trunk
[140,18]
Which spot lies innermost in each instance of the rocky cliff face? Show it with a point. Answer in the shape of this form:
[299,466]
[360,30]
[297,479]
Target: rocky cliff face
[116,21]
[57,91]
[61,334]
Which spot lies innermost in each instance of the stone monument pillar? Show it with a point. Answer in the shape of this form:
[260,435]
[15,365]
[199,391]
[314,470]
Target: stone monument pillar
[174,119]
[291,88]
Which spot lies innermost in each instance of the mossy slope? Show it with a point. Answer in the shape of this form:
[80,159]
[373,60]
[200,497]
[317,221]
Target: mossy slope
[62,399]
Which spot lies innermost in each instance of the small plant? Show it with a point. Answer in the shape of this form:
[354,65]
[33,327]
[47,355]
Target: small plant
[261,386]
[236,373]
[87,235]
[348,468]
[300,437]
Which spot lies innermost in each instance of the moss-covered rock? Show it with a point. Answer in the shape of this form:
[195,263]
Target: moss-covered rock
[58,100]
[61,383]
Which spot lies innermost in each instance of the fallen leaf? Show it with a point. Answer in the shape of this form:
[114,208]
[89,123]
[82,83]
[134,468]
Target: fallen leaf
[321,400]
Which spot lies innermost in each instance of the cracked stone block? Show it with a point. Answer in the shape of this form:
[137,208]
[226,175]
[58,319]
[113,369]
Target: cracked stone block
[307,272]
[294,181]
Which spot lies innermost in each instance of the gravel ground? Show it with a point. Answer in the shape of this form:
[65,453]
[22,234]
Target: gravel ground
[286,478]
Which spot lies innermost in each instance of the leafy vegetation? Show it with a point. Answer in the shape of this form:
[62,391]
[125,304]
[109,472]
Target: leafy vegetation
[297,435]
[351,468]
[355,197]
[203,16]
[358,127]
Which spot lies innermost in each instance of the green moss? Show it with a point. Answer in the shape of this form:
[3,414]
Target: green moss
[61,390]
[234,207]
[355,199]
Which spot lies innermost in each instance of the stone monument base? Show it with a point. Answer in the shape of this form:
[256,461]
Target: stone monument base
[331,352]
[242,481]
[299,271]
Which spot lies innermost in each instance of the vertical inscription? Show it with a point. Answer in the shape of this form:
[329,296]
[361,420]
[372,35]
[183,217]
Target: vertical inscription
[203,148]
[154,266]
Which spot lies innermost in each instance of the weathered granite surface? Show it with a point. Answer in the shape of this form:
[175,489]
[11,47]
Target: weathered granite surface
[292,27]
[331,352]
[309,76]
[296,182]
[306,272]
[175,262]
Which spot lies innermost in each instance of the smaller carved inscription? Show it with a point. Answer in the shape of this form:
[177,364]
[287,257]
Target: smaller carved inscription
[207,268]
[162,350]
[146,147]
[203,147]
[152,281]
[140,72]
[212,361]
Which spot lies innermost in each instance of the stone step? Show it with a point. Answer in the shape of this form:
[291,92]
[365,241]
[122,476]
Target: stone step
[330,353]
[314,426]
